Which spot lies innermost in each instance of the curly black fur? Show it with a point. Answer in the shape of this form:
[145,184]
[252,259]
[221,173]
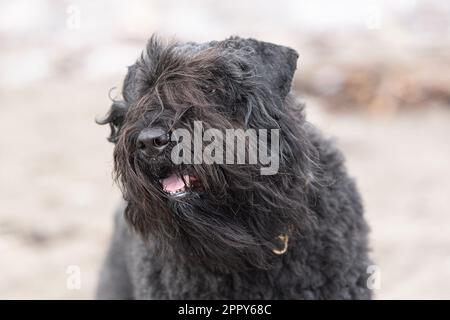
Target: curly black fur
[225,234]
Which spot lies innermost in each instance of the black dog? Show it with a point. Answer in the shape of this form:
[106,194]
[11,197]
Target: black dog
[211,231]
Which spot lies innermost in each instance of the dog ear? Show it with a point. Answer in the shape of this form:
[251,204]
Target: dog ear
[115,118]
[275,65]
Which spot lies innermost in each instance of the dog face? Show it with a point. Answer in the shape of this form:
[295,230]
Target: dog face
[223,215]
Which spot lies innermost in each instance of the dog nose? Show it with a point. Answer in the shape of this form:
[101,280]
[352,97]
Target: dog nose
[152,141]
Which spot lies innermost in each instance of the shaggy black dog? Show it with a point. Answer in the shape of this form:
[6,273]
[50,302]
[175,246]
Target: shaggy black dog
[213,231]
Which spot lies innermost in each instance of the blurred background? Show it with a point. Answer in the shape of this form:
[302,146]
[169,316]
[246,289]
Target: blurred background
[375,75]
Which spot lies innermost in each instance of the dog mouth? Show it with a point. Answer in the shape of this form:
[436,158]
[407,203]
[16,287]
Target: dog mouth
[178,186]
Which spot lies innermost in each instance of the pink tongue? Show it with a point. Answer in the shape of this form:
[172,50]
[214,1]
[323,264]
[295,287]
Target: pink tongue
[174,183]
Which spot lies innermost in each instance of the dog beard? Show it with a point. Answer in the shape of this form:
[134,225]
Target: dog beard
[225,217]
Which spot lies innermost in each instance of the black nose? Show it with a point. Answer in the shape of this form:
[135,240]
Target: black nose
[152,141]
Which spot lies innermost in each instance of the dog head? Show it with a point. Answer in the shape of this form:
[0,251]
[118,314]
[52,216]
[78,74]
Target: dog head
[220,214]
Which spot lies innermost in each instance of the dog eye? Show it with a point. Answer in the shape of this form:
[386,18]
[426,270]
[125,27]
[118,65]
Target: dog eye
[209,90]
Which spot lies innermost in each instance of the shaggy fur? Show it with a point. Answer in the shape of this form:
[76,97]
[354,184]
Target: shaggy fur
[218,241]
